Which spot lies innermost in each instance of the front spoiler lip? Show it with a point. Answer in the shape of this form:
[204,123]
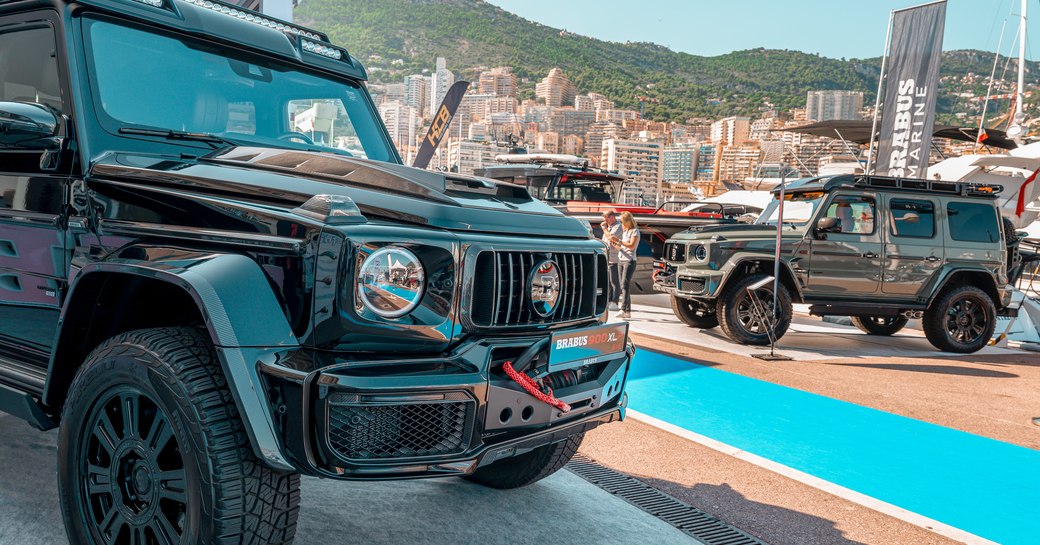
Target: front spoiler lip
[482,456]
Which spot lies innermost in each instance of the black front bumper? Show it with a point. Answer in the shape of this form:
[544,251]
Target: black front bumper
[434,417]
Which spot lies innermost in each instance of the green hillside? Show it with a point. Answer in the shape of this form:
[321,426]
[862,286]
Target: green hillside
[472,33]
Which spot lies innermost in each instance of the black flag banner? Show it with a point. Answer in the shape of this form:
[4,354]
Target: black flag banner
[908,112]
[440,124]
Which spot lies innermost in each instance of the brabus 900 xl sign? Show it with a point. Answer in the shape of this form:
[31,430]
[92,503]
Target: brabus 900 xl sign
[589,345]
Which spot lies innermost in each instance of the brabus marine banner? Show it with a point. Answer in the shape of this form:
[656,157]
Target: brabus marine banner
[908,112]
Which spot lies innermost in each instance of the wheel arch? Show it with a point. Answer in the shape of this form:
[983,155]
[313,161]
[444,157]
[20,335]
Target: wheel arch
[980,278]
[756,265]
[228,295]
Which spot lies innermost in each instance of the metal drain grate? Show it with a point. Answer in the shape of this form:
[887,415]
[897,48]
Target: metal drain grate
[690,520]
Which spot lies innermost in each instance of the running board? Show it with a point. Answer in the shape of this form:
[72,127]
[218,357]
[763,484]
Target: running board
[22,405]
[863,309]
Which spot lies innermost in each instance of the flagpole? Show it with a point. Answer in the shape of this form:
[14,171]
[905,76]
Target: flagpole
[877,100]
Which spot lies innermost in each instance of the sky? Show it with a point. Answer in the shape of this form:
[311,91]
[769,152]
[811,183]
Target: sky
[832,28]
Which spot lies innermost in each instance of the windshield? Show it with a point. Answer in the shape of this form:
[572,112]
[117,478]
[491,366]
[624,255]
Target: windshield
[144,79]
[571,189]
[798,208]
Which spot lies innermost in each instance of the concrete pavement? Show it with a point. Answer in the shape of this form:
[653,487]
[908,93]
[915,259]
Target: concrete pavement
[561,509]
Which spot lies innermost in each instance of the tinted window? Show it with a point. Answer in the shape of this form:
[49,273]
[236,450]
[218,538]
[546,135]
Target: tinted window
[29,67]
[973,222]
[913,218]
[855,214]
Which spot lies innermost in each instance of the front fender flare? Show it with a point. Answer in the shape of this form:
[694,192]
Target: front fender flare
[244,319]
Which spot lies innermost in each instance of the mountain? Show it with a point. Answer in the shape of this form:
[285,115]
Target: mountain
[398,37]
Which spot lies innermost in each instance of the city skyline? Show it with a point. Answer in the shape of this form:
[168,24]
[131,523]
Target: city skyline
[811,26]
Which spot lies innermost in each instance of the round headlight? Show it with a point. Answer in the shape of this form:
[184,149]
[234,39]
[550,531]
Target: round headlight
[699,252]
[391,281]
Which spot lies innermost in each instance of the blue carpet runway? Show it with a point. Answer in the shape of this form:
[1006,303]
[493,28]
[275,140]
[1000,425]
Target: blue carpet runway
[982,486]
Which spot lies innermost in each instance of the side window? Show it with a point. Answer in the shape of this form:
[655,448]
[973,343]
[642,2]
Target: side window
[973,222]
[912,218]
[29,67]
[855,214]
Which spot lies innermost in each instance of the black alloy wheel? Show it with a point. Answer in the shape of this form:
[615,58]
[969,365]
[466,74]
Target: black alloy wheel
[880,325]
[132,474]
[739,319]
[961,320]
[152,451]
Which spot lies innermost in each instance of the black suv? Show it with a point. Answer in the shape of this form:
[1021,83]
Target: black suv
[215,276]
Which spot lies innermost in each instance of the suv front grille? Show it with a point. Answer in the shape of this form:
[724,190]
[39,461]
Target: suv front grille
[360,429]
[675,251]
[501,290]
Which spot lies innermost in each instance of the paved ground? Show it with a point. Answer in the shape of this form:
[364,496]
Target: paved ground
[874,453]
[779,510]
[560,509]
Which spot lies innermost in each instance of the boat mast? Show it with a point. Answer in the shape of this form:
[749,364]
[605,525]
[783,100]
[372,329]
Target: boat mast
[1017,130]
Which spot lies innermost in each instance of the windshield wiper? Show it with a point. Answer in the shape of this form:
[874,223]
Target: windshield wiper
[171,134]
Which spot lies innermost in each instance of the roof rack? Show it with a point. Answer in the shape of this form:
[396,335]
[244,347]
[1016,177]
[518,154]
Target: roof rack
[964,189]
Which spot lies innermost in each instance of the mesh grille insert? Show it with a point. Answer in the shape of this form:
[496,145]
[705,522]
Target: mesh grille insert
[360,429]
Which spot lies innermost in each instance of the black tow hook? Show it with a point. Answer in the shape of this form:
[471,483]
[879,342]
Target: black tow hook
[528,356]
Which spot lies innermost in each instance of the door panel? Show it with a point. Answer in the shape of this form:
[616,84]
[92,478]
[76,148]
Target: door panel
[847,263]
[913,248]
[32,258]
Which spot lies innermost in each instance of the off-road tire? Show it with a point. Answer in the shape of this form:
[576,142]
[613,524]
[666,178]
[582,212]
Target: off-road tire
[732,309]
[879,325]
[943,319]
[694,314]
[229,496]
[527,468]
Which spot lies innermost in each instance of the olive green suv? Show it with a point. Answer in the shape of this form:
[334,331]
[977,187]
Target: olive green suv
[881,250]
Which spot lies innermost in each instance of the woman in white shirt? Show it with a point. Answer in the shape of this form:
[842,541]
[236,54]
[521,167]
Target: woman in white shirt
[626,246]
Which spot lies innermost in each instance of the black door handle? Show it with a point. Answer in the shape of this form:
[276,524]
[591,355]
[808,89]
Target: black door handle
[931,258]
[870,255]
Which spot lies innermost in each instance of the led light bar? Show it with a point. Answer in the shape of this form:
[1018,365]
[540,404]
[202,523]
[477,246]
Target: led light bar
[252,18]
[324,50]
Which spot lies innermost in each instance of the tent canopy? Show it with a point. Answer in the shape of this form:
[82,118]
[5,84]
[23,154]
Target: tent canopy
[858,131]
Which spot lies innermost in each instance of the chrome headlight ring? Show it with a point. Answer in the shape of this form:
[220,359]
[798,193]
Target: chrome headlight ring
[390,282]
[697,252]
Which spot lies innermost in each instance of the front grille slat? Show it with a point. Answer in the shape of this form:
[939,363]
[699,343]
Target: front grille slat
[579,284]
[509,300]
[496,281]
[571,281]
[509,287]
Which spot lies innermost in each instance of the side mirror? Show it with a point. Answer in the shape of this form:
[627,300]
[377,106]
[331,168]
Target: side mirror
[826,225]
[24,123]
[32,127]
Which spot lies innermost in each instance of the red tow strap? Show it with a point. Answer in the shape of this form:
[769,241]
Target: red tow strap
[529,385]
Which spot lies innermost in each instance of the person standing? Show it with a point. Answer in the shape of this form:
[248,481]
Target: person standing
[626,247]
[611,228]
